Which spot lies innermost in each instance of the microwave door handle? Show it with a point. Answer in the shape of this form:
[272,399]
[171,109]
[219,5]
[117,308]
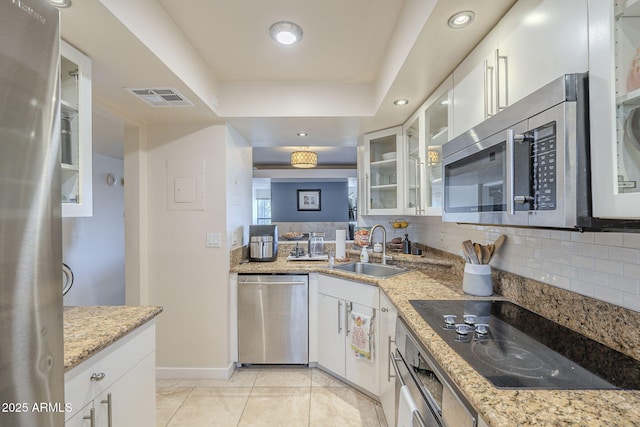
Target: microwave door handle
[511,208]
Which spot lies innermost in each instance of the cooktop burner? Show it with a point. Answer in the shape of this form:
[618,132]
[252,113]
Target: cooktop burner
[515,348]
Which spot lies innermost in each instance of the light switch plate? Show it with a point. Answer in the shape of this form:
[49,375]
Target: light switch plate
[213,240]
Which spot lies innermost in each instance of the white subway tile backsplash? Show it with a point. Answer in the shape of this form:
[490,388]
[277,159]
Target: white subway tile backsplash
[609,295]
[596,251]
[560,282]
[609,266]
[595,277]
[608,239]
[605,266]
[582,262]
[624,284]
[583,288]
[624,254]
[631,270]
[631,240]
[583,237]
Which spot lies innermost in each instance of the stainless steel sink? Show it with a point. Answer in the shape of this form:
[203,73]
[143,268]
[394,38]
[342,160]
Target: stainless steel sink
[369,269]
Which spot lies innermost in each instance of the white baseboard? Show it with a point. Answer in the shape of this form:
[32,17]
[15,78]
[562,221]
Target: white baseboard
[165,373]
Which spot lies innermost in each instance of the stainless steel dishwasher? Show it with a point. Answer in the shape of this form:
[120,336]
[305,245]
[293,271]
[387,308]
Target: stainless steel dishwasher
[273,319]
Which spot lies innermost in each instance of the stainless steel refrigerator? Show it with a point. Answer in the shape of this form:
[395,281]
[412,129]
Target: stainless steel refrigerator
[31,341]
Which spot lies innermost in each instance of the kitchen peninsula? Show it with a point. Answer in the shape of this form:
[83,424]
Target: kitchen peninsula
[109,362]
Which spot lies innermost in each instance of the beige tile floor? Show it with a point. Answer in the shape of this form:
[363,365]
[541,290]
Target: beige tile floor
[265,397]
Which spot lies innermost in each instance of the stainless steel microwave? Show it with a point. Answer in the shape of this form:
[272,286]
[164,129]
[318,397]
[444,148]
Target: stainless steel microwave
[526,166]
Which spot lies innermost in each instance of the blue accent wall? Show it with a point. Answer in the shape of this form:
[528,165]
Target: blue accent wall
[333,202]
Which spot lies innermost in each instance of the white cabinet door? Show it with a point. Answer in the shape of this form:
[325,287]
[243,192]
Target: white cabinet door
[131,398]
[539,41]
[536,42]
[383,174]
[331,333]
[82,418]
[474,86]
[361,371]
[614,99]
[387,382]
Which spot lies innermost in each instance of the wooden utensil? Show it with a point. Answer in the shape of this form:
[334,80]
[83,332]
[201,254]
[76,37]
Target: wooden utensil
[499,241]
[478,250]
[486,253]
[471,252]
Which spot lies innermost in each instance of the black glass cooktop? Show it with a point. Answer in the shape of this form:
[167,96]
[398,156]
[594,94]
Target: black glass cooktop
[515,348]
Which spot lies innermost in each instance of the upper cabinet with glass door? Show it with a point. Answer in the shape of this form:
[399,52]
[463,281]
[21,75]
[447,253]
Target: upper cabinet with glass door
[614,89]
[424,134]
[75,129]
[383,181]
[437,132]
[414,192]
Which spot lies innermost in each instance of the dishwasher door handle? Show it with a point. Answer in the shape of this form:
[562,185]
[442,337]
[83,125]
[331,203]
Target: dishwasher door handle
[296,283]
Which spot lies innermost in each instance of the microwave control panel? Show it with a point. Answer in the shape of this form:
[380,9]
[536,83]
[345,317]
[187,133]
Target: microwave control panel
[543,167]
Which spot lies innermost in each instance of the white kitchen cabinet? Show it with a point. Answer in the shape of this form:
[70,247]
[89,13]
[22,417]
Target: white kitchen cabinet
[387,388]
[474,89]
[116,387]
[536,42]
[337,299]
[75,132]
[383,179]
[614,99]
[424,133]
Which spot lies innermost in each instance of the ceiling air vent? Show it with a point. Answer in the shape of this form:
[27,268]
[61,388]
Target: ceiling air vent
[161,97]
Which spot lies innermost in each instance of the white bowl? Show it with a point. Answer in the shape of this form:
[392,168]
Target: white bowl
[389,156]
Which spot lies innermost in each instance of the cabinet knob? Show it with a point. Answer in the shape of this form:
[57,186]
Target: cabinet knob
[384,309]
[98,376]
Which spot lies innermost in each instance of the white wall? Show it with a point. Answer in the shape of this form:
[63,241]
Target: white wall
[605,266]
[94,246]
[178,271]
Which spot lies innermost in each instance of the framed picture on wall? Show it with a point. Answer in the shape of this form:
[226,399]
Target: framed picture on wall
[308,200]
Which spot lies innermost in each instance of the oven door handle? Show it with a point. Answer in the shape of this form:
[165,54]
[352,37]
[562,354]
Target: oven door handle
[415,414]
[394,362]
[418,419]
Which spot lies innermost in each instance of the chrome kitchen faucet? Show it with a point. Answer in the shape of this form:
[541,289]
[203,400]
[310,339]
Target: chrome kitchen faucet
[384,257]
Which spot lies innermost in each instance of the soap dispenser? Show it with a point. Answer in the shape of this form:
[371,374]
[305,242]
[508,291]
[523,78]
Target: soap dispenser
[406,245]
[364,255]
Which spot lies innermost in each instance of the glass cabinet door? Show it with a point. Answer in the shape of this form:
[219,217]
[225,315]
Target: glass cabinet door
[627,60]
[437,133]
[382,152]
[75,132]
[413,168]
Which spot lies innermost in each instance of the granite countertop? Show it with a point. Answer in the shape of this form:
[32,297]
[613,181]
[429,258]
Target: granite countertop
[498,407]
[89,329]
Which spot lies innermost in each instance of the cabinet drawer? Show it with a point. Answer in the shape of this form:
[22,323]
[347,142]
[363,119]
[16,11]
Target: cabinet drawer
[359,293]
[114,361]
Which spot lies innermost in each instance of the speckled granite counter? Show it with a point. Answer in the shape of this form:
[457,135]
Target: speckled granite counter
[440,279]
[89,329]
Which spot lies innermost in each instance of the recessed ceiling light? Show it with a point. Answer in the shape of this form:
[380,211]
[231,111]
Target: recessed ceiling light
[285,32]
[61,3]
[461,19]
[302,134]
[401,102]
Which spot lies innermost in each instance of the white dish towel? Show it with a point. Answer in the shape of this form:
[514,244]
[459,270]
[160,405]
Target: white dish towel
[406,408]
[361,336]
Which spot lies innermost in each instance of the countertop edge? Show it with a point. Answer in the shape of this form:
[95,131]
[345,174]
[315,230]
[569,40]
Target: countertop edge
[90,329]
